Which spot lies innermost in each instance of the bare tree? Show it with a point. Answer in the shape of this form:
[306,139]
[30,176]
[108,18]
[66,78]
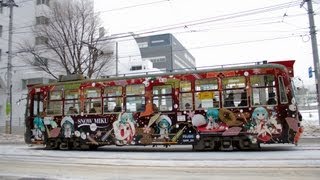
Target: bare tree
[67,39]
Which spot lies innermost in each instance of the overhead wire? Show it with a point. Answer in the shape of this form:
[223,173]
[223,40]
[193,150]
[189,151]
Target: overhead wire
[98,12]
[220,18]
[201,21]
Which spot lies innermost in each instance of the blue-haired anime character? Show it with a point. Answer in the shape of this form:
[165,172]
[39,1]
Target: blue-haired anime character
[38,128]
[164,123]
[212,118]
[260,114]
[124,129]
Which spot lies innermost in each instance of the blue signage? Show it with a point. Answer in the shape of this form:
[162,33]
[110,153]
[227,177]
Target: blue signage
[310,72]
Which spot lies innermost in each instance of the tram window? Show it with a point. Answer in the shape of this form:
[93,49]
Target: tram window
[186,101]
[263,90]
[234,82]
[54,108]
[135,104]
[92,93]
[185,86]
[54,105]
[135,89]
[134,101]
[282,90]
[264,96]
[92,101]
[234,92]
[71,103]
[113,104]
[262,80]
[207,99]
[162,97]
[55,95]
[235,98]
[113,91]
[93,106]
[206,84]
[37,104]
[113,101]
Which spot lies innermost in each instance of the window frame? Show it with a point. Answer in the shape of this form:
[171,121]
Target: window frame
[160,98]
[267,88]
[234,91]
[214,91]
[189,93]
[106,96]
[92,101]
[137,95]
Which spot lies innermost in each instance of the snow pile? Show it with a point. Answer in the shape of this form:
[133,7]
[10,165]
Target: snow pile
[310,123]
[11,138]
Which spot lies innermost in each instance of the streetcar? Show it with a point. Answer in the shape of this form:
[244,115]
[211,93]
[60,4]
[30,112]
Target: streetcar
[221,108]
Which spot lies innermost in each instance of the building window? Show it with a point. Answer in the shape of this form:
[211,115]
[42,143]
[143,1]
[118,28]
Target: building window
[135,68]
[157,59]
[46,2]
[42,20]
[143,44]
[41,40]
[1,27]
[157,41]
[1,9]
[0,54]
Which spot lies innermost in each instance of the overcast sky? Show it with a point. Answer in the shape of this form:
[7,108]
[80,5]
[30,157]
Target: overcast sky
[222,32]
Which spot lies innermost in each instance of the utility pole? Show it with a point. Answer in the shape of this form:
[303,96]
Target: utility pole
[313,35]
[117,58]
[10,4]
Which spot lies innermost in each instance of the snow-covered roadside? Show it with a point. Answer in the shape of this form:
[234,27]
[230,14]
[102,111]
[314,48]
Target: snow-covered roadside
[310,123]
[11,138]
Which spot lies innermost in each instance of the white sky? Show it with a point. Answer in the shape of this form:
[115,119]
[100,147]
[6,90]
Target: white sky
[223,41]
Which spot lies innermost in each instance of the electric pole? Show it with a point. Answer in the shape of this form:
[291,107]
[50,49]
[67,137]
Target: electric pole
[313,35]
[10,4]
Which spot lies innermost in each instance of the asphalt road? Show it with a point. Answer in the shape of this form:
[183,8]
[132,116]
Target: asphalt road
[271,162]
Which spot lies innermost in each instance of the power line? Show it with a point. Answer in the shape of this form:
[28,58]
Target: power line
[201,21]
[116,9]
[211,46]
[207,20]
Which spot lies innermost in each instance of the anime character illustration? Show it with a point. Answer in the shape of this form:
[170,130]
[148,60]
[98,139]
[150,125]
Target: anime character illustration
[164,123]
[124,129]
[67,126]
[212,118]
[39,128]
[265,126]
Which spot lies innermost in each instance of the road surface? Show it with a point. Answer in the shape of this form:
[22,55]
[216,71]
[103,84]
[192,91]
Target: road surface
[272,162]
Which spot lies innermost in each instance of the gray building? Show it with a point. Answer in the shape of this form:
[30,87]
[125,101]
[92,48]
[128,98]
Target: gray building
[165,52]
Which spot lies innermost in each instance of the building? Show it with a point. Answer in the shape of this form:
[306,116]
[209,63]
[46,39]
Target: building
[165,52]
[25,16]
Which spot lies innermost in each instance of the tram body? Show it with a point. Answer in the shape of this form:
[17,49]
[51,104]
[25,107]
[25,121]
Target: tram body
[220,108]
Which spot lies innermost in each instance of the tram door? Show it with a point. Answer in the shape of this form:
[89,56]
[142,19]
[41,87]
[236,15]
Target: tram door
[34,124]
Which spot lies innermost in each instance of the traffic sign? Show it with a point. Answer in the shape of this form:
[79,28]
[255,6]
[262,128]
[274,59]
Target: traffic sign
[310,72]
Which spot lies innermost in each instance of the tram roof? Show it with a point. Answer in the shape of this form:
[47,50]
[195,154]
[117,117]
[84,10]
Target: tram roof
[228,67]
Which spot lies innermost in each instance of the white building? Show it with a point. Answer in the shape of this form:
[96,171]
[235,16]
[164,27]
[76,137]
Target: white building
[26,16]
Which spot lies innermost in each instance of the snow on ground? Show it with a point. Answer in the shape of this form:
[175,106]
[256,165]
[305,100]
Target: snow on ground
[310,123]
[11,138]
